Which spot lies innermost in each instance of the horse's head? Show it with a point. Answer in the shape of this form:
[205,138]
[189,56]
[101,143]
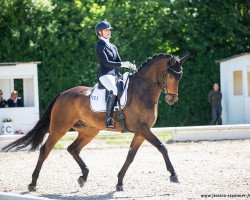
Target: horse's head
[165,74]
[174,74]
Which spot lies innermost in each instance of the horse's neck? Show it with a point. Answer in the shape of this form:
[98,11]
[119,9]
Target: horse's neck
[143,89]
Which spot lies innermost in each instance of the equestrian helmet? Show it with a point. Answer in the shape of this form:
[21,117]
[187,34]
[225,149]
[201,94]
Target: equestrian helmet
[102,25]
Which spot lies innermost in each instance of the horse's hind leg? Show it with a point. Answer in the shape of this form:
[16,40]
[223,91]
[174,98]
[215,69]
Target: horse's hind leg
[84,137]
[135,144]
[44,152]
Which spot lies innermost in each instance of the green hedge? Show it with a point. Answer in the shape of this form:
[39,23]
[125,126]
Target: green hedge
[61,35]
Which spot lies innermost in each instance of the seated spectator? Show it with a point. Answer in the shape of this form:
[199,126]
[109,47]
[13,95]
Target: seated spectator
[14,100]
[3,102]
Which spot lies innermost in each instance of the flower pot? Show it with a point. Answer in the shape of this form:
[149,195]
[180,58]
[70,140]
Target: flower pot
[6,128]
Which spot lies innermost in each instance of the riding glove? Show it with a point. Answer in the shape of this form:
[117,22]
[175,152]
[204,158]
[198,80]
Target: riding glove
[125,64]
[133,66]
[129,65]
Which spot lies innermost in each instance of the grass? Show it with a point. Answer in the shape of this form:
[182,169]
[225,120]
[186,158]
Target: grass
[122,139]
[118,142]
[161,135]
[114,138]
[164,136]
[59,145]
[69,137]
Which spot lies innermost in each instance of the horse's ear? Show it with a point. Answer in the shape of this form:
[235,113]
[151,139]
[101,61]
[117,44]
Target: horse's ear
[183,60]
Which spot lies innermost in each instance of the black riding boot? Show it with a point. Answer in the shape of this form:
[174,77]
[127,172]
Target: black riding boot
[110,110]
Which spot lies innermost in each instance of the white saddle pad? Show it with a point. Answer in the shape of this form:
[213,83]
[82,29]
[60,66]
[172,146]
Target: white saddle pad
[98,101]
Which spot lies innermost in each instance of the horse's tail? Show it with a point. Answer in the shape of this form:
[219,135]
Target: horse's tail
[36,135]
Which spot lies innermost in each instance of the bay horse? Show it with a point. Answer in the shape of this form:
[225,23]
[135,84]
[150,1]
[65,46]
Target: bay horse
[71,109]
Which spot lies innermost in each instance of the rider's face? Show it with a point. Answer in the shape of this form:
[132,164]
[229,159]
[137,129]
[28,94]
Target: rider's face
[106,33]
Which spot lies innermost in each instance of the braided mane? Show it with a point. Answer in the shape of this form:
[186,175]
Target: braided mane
[150,59]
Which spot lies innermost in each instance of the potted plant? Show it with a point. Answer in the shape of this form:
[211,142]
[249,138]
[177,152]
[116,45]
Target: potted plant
[6,127]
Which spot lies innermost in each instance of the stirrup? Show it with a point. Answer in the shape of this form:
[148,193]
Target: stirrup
[121,120]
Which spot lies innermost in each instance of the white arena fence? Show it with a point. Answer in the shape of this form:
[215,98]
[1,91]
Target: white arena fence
[179,134]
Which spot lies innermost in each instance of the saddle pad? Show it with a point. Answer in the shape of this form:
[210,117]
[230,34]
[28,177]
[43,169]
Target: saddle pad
[98,101]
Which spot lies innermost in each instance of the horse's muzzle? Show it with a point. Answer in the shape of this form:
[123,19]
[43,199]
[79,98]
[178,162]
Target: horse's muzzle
[171,99]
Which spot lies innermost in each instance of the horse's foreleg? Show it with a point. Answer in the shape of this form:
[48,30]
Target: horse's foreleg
[75,148]
[151,138]
[135,144]
[44,152]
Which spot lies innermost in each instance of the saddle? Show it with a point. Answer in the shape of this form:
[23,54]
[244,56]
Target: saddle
[98,99]
[98,96]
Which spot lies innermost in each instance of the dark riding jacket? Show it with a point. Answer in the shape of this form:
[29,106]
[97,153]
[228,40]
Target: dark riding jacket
[108,57]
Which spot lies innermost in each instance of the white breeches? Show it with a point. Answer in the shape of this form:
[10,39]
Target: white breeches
[109,82]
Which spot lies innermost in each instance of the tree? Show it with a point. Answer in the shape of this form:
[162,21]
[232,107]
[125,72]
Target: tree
[61,35]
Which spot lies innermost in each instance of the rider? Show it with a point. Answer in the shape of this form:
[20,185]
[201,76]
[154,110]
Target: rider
[110,62]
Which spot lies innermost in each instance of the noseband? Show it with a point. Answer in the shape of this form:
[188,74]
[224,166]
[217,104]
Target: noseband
[162,87]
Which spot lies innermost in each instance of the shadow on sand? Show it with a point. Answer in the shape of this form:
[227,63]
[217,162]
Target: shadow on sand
[99,197]
[78,197]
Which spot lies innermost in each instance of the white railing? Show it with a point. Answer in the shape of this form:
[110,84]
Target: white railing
[188,133]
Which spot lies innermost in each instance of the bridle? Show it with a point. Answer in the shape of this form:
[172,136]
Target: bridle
[162,87]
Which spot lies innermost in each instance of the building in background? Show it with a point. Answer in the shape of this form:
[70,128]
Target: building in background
[25,75]
[235,88]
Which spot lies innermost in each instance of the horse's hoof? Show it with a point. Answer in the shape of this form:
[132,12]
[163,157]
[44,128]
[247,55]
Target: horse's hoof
[174,179]
[119,188]
[32,188]
[81,182]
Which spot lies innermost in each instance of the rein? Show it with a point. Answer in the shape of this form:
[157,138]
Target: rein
[161,87]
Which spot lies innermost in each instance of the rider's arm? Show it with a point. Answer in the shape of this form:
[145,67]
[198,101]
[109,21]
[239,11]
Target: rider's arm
[103,58]
[118,59]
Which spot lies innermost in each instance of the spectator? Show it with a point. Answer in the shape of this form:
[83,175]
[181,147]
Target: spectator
[14,100]
[3,102]
[214,99]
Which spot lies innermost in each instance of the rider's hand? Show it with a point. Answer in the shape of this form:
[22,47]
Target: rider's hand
[133,66]
[128,65]
[125,64]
